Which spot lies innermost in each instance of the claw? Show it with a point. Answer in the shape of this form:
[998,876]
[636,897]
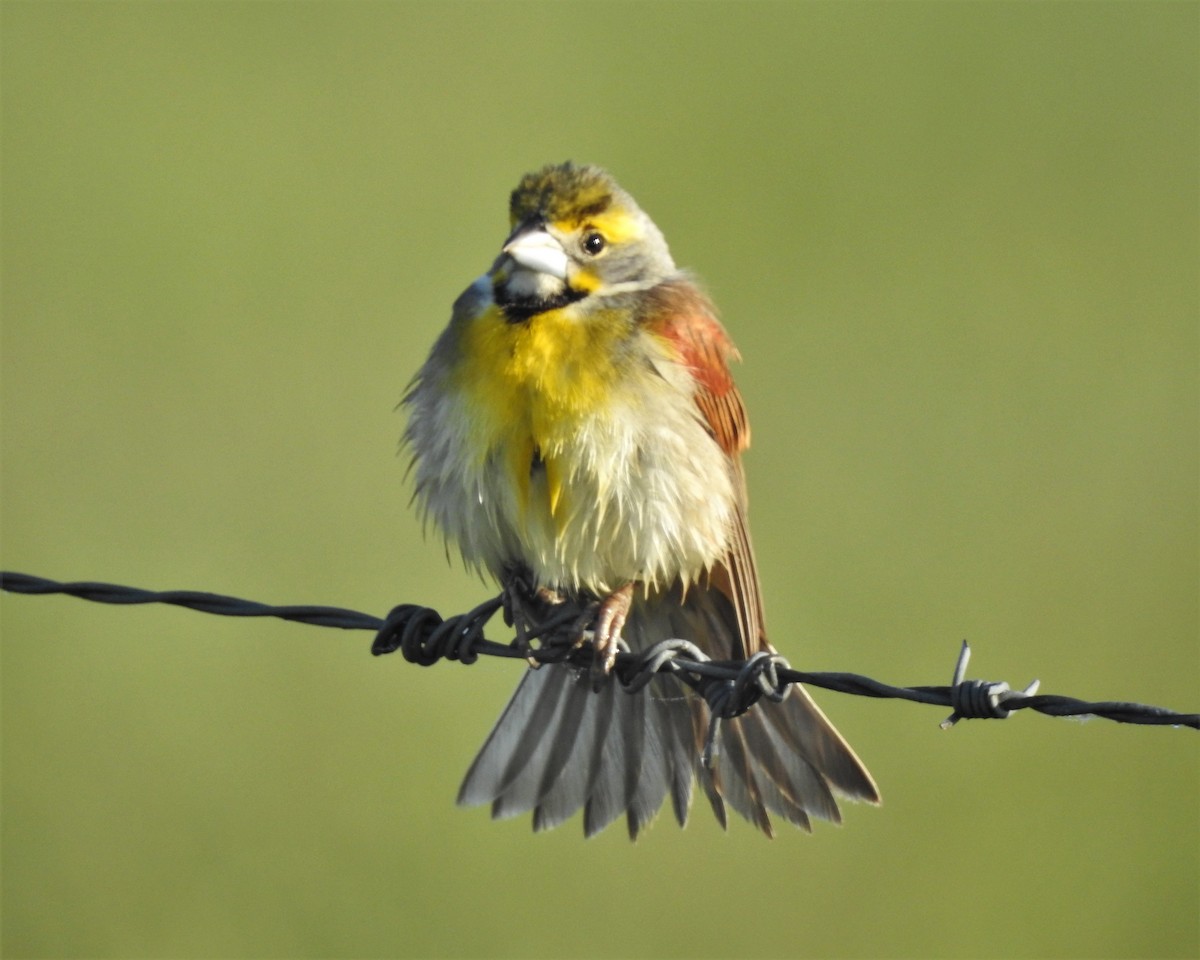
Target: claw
[525,608]
[610,619]
[548,597]
[517,596]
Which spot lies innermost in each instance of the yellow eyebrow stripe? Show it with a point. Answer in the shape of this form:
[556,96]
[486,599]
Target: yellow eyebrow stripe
[615,224]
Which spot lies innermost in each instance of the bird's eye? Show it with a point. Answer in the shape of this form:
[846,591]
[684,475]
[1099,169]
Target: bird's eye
[593,243]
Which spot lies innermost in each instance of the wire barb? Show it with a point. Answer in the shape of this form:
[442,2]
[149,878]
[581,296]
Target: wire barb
[979,699]
[424,638]
[729,687]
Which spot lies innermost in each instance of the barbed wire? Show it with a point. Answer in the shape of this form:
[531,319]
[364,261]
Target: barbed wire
[424,637]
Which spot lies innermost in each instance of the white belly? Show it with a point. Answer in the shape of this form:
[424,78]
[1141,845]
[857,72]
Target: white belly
[644,492]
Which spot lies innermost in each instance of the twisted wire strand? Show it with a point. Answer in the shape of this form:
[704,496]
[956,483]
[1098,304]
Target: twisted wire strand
[424,637]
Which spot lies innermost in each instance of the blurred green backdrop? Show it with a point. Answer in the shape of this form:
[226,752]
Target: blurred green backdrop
[957,245]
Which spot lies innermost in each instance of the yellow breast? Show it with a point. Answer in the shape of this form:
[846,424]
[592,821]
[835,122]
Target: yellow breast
[571,444]
[532,385]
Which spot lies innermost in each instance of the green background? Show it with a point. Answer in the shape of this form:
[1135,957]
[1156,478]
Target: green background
[957,245]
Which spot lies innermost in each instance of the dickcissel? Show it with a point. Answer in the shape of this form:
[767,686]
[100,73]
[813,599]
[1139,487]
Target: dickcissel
[576,432]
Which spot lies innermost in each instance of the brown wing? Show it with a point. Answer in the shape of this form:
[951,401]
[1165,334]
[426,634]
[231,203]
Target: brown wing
[681,314]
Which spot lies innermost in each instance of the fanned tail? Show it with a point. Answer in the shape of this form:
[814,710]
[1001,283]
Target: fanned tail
[561,746]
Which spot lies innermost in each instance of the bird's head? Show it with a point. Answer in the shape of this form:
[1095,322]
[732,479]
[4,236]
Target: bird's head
[575,234]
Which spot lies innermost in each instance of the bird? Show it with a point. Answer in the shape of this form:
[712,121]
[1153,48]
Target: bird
[577,433]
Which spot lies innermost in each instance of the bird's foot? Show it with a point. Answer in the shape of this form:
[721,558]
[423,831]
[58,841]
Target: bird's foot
[606,633]
[517,597]
[524,610]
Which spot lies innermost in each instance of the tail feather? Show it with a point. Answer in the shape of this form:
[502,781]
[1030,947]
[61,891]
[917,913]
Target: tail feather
[532,760]
[655,776]
[738,784]
[606,764]
[675,718]
[705,774]
[789,786]
[560,745]
[803,727]
[575,781]
[515,731]
[634,733]
[561,788]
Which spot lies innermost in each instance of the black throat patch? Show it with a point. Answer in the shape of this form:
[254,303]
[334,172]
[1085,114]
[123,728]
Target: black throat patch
[522,309]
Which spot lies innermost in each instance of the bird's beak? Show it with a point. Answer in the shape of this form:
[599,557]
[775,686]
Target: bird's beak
[537,250]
